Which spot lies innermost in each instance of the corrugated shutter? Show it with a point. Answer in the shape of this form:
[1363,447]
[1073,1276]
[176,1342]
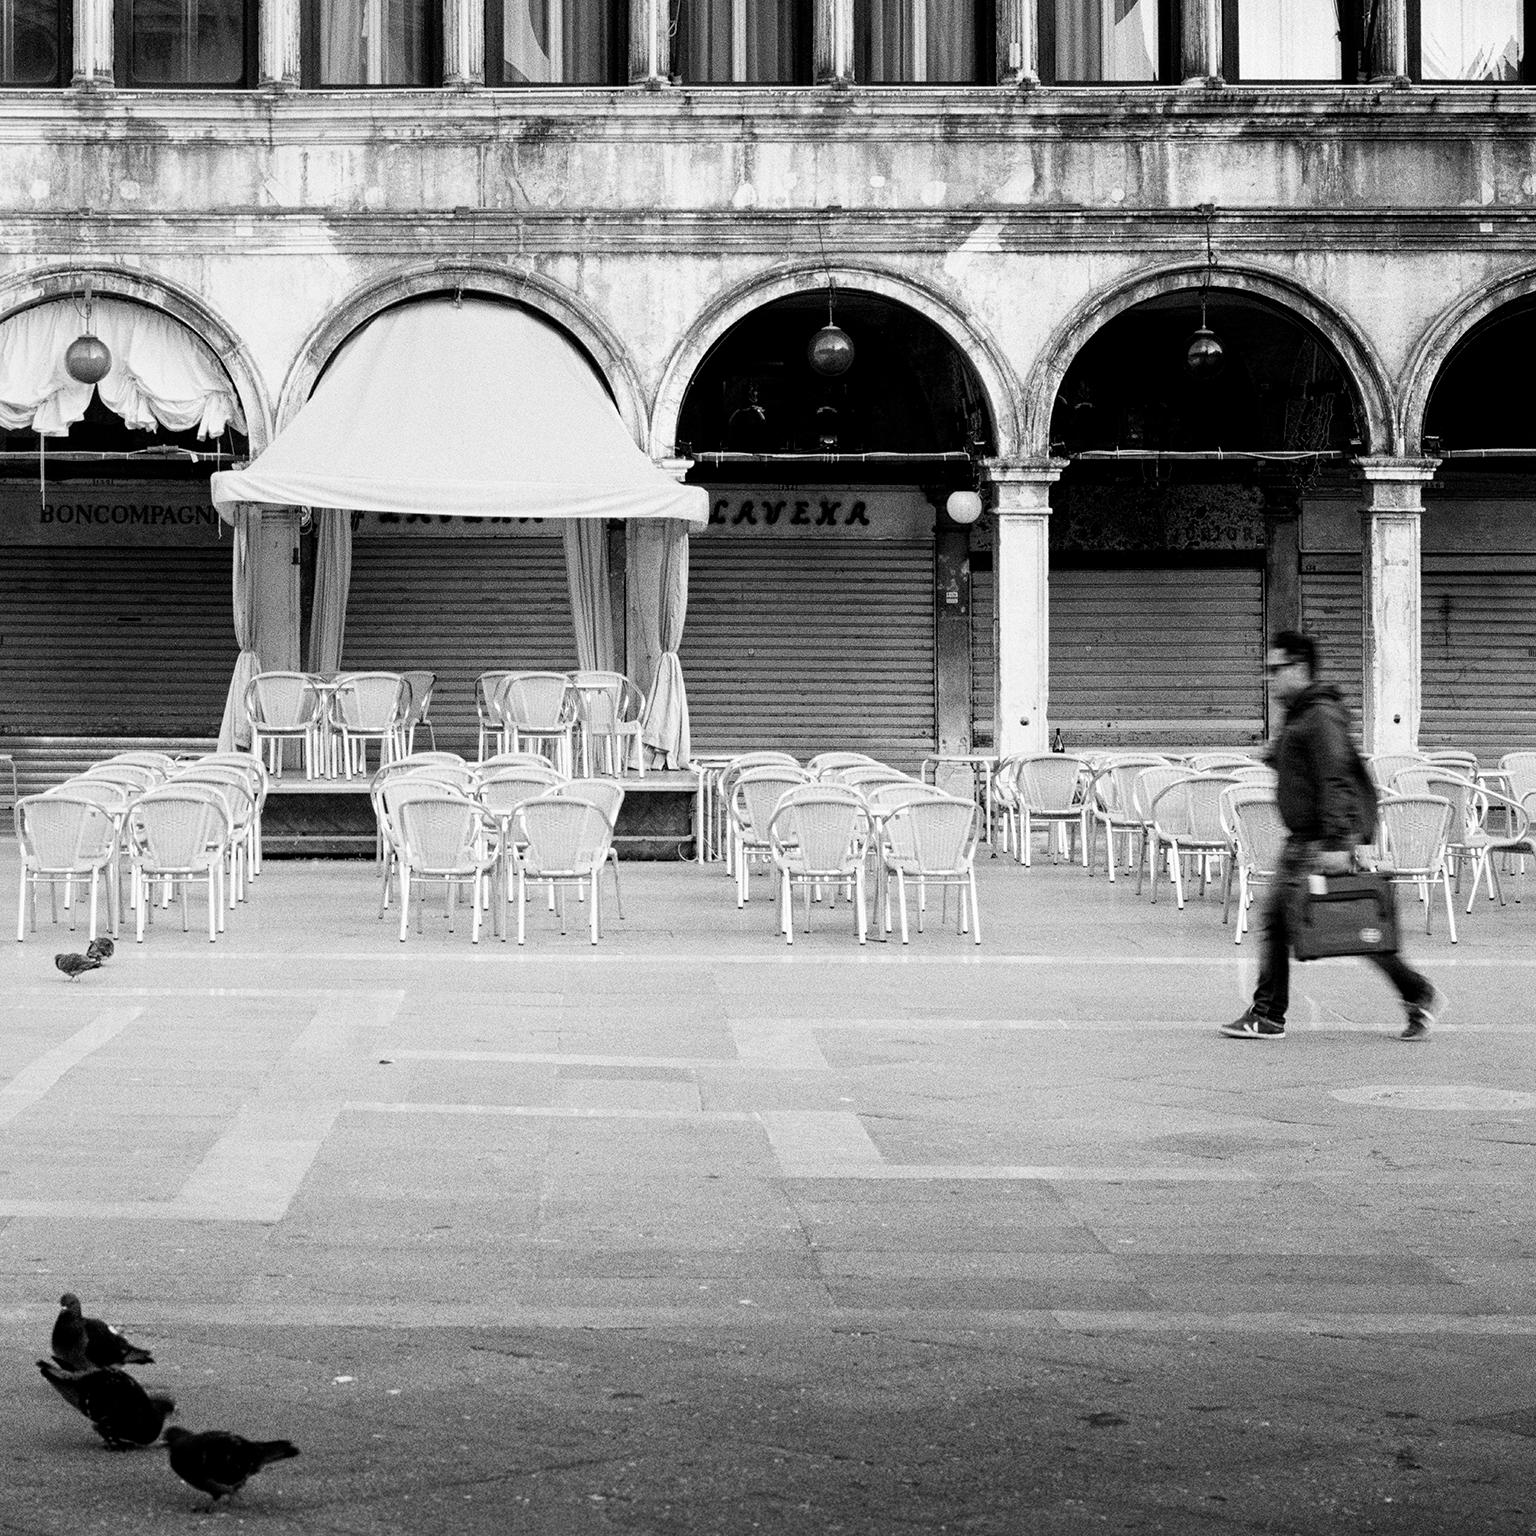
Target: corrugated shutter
[1161,656]
[806,648]
[109,641]
[1330,613]
[1478,620]
[458,607]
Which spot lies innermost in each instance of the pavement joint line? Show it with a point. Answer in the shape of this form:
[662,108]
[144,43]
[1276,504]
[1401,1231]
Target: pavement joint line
[39,1077]
[546,1111]
[572,1059]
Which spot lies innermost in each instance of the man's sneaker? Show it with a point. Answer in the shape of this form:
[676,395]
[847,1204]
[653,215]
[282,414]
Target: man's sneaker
[1422,1015]
[1254,1026]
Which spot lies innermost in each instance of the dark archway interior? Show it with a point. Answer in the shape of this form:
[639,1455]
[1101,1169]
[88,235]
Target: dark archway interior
[910,390]
[1479,399]
[1281,387]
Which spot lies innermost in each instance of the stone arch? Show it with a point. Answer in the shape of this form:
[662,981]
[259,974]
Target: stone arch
[1354,352]
[25,290]
[540,294]
[1441,338]
[998,383]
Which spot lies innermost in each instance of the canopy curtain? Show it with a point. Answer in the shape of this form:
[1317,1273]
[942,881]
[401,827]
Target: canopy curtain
[657,557]
[333,581]
[586,574]
[161,374]
[235,728]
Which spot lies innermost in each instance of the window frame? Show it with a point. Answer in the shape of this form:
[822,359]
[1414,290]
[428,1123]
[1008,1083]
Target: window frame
[986,57]
[122,48]
[1414,21]
[803,70]
[618,60]
[65,40]
[1168,44]
[310,19]
[1352,64]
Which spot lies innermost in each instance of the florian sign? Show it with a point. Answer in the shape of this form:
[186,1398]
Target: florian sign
[107,512]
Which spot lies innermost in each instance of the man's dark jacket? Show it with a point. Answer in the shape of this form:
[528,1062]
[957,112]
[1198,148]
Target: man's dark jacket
[1323,793]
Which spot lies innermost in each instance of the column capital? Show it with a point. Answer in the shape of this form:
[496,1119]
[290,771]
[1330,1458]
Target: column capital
[676,467]
[1379,467]
[1022,487]
[1394,486]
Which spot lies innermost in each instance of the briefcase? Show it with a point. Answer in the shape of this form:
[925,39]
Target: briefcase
[1343,915]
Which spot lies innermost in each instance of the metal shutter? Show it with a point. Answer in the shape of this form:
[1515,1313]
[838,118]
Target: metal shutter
[1478,621]
[458,607]
[983,655]
[807,648]
[1330,613]
[109,640]
[1157,656]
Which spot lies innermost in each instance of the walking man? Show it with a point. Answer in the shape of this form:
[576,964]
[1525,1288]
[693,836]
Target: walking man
[1329,809]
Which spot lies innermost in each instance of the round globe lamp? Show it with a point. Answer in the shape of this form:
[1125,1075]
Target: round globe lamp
[1204,354]
[830,351]
[87,359]
[963,507]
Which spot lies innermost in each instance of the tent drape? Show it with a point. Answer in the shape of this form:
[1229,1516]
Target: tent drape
[658,603]
[235,728]
[474,409]
[333,580]
[586,574]
[162,374]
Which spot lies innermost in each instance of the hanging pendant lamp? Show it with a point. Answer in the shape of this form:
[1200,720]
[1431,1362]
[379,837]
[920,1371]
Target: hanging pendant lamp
[87,359]
[1204,355]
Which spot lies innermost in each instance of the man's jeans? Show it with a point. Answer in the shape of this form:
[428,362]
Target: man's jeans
[1272,996]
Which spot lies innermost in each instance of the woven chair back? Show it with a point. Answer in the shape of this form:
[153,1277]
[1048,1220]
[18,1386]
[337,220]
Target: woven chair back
[1253,817]
[1149,783]
[757,792]
[246,763]
[1415,831]
[825,762]
[606,794]
[135,774]
[933,836]
[180,829]
[1190,810]
[1504,822]
[388,795]
[606,700]
[63,832]
[421,683]
[1454,758]
[1113,781]
[501,793]
[440,834]
[820,830]
[1384,765]
[865,776]
[487,688]
[1442,785]
[1257,773]
[1520,770]
[1222,762]
[370,703]
[882,798]
[562,837]
[504,760]
[109,794]
[161,764]
[1049,784]
[535,701]
[231,786]
[284,701]
[458,776]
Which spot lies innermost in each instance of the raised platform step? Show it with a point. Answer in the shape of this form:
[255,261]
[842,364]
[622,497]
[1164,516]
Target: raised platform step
[43,761]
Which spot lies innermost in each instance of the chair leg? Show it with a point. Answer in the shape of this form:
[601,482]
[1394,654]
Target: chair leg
[596,870]
[861,916]
[405,899]
[970,876]
[1450,914]
[901,903]
[522,904]
[618,899]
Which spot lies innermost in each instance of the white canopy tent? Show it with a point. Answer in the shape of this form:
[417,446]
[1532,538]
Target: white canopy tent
[476,408]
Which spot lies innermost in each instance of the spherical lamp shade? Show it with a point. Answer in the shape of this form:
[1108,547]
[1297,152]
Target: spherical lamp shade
[87,359]
[964,507]
[830,351]
[1204,354]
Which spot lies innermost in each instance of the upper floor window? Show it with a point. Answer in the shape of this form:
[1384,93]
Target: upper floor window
[1282,40]
[1473,40]
[34,42]
[372,42]
[743,42]
[920,42]
[556,42]
[185,42]
[1108,41]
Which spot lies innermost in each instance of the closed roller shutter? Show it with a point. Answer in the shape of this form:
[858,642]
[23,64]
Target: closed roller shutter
[807,649]
[112,641]
[1171,656]
[983,654]
[1479,653]
[1330,613]
[458,607]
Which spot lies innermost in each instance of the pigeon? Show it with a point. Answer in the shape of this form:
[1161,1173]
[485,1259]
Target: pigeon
[73,965]
[217,1463]
[100,949]
[120,1410]
[80,1342]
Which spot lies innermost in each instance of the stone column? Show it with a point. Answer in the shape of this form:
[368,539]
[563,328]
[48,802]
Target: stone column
[277,590]
[1021,566]
[95,44]
[650,43]
[1200,42]
[832,42]
[277,61]
[1386,43]
[1282,551]
[1390,602]
[1018,44]
[463,43]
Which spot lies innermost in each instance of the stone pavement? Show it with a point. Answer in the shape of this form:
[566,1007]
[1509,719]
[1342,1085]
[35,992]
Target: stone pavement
[695,1232]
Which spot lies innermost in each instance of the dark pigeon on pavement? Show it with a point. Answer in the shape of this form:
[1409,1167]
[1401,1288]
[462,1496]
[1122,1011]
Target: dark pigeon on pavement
[100,949]
[120,1410]
[74,965]
[80,1342]
[217,1462]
